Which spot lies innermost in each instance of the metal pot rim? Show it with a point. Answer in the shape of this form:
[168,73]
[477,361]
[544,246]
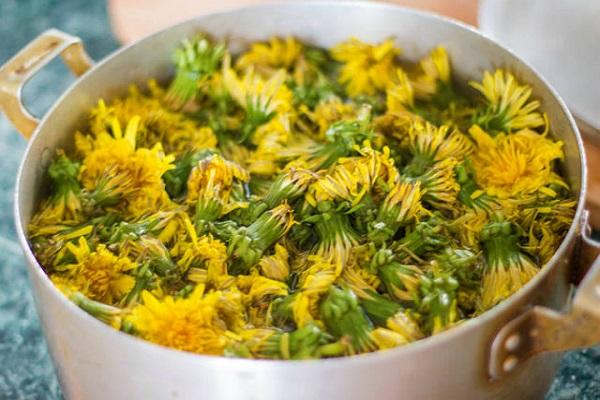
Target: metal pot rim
[442,338]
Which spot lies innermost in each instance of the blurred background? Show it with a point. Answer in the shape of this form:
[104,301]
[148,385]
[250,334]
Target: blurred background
[559,37]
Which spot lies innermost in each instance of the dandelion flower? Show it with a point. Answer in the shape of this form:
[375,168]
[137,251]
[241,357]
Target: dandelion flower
[366,68]
[515,164]
[65,203]
[508,105]
[315,281]
[195,60]
[261,99]
[268,57]
[400,94]
[191,324]
[142,168]
[276,266]
[435,72]
[210,184]
[401,206]
[98,274]
[347,321]
[428,144]
[507,268]
[327,112]
[249,243]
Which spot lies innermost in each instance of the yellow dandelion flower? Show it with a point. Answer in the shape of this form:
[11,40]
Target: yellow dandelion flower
[289,185]
[507,268]
[508,104]
[212,179]
[361,281]
[405,325]
[99,275]
[64,205]
[276,266]
[236,153]
[400,94]
[366,68]
[255,94]
[468,227]
[401,206]
[259,290]
[406,196]
[141,168]
[337,238]
[354,177]
[515,164]
[435,69]
[248,243]
[429,143]
[203,252]
[401,280]
[396,124]
[439,184]
[326,113]
[543,241]
[267,57]
[158,124]
[192,324]
[270,139]
[315,282]
[387,339]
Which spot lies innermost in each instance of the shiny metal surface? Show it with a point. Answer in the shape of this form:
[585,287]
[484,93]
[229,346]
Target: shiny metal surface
[96,362]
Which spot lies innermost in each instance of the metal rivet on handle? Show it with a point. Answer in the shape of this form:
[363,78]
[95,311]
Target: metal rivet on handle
[510,363]
[513,342]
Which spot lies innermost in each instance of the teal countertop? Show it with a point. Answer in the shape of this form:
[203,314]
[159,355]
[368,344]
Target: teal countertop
[27,372]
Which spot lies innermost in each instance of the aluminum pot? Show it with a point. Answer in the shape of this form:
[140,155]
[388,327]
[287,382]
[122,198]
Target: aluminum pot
[510,352]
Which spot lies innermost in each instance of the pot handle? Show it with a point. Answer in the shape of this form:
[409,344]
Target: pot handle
[33,57]
[541,329]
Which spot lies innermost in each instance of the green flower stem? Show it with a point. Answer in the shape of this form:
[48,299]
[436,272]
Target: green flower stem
[345,319]
[184,86]
[417,165]
[427,236]
[176,179]
[342,138]
[465,176]
[143,277]
[248,244]
[301,344]
[133,231]
[105,313]
[286,186]
[380,308]
[63,174]
[207,211]
[253,120]
[401,281]
[282,313]
[438,302]
[333,228]
[195,59]
[500,243]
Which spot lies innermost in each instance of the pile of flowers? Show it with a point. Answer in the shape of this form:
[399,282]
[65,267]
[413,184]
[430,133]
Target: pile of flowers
[294,202]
